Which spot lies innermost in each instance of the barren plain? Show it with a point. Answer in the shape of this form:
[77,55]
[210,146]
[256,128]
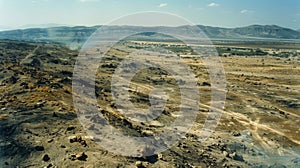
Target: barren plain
[259,126]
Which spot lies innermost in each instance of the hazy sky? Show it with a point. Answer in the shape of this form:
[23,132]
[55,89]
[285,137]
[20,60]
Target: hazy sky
[224,13]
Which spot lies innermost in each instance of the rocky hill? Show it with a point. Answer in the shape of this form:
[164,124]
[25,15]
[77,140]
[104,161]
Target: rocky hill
[73,37]
[268,31]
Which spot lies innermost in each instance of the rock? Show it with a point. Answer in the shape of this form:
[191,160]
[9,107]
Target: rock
[152,158]
[83,143]
[78,139]
[206,84]
[196,166]
[80,156]
[39,148]
[236,157]
[91,138]
[155,123]
[38,105]
[75,139]
[70,128]
[73,157]
[140,164]
[3,116]
[50,140]
[225,153]
[206,155]
[46,158]
[224,165]
[49,166]
[159,156]
[232,155]
[12,80]
[296,161]
[236,134]
[147,132]
[54,114]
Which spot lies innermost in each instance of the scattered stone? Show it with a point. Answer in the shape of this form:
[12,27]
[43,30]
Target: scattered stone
[206,155]
[234,156]
[80,156]
[225,153]
[75,139]
[49,166]
[50,140]
[3,116]
[39,148]
[54,114]
[231,155]
[70,128]
[46,158]
[296,161]
[73,157]
[140,164]
[236,134]
[294,105]
[92,127]
[159,156]
[91,138]
[152,158]
[224,165]
[155,123]
[39,104]
[83,143]
[206,84]
[12,80]
[78,139]
[147,132]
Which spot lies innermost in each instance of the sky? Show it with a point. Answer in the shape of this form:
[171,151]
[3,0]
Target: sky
[221,13]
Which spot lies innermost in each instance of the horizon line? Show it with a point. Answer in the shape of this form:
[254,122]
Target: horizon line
[44,26]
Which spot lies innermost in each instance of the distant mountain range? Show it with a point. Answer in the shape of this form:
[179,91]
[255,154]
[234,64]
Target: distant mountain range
[28,26]
[74,37]
[253,31]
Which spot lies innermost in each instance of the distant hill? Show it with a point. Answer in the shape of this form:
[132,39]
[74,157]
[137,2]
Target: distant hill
[48,25]
[74,37]
[268,31]
[253,31]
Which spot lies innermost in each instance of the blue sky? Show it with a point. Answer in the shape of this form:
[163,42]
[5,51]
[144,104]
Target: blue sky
[223,13]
